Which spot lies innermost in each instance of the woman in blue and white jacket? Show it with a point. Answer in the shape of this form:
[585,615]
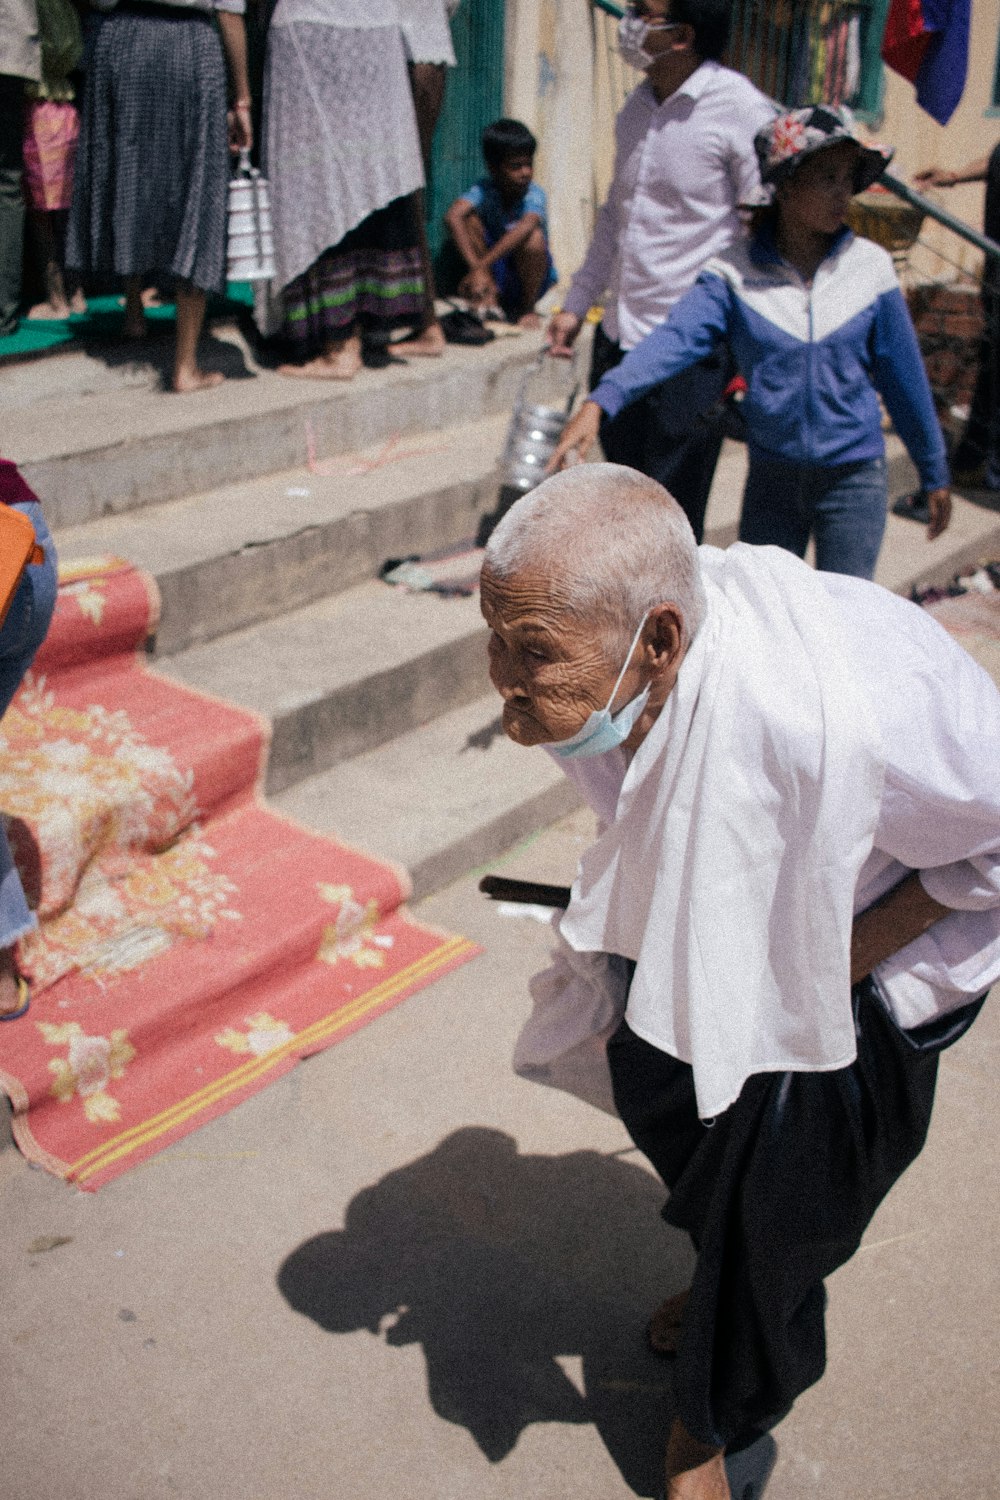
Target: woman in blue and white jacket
[819,329]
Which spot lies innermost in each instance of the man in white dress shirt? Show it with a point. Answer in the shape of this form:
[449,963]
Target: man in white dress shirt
[684,160]
[799,866]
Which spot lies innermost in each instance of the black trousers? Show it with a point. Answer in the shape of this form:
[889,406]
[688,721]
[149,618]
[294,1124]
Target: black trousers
[674,432]
[775,1194]
[11,200]
[981,439]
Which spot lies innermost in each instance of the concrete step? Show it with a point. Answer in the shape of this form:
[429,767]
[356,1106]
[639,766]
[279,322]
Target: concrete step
[94,453]
[441,800]
[250,551]
[345,674]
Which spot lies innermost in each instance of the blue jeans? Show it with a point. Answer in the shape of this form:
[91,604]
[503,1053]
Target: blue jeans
[21,634]
[843,508]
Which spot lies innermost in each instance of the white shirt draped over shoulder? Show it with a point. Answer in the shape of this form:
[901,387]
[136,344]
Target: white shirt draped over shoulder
[824,738]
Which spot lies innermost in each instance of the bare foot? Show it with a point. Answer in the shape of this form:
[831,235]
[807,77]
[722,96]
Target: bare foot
[429,342]
[49,310]
[340,360]
[695,1471]
[705,1482]
[529,320]
[78,302]
[185,381]
[322,368]
[663,1331]
[151,297]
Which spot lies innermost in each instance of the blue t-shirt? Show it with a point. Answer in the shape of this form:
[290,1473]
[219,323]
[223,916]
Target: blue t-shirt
[496,219]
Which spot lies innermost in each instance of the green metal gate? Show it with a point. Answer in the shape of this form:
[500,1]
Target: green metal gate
[473,97]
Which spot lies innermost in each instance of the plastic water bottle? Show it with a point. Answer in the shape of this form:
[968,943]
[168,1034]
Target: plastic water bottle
[541,411]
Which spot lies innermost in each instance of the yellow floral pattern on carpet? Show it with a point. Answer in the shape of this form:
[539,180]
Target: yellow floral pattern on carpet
[125,870]
[262,1036]
[352,935]
[91,1064]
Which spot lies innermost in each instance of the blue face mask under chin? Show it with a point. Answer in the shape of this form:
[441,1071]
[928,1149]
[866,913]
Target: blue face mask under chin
[603,730]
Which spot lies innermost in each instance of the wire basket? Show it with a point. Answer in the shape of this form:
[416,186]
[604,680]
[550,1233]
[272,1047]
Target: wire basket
[880,216]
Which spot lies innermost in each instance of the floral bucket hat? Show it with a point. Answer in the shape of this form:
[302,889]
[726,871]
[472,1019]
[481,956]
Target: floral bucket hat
[785,143]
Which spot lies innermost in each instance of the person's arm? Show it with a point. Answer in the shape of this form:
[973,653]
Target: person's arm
[694,327]
[902,915]
[591,280]
[696,324]
[234,45]
[514,236]
[901,380]
[456,221]
[941,177]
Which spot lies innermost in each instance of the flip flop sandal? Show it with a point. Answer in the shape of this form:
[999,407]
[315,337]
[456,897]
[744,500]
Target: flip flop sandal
[24,996]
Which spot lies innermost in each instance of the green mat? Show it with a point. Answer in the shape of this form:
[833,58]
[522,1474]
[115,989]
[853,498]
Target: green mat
[103,319]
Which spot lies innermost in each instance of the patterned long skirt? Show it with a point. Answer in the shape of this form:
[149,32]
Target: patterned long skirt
[152,167]
[371,282]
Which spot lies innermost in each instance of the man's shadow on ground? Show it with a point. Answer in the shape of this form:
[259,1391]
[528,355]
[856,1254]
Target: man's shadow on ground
[499,1264]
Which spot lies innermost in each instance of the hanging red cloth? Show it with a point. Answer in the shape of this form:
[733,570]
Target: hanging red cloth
[927,42]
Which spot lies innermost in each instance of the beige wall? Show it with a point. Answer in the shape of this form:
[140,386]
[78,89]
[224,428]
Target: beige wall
[549,85]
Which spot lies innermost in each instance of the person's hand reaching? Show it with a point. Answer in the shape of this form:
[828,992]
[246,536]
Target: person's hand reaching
[578,437]
[561,333]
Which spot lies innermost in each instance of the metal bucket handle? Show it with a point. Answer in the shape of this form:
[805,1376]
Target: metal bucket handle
[538,364]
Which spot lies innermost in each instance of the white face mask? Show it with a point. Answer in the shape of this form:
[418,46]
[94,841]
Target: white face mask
[632,33]
[603,730]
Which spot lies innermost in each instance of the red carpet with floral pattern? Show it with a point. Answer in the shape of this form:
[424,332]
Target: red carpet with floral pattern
[192,945]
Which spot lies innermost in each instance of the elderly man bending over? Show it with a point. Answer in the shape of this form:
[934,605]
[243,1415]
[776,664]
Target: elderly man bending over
[796,777]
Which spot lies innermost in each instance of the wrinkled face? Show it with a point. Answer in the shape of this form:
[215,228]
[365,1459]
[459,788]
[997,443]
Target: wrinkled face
[817,194]
[549,668]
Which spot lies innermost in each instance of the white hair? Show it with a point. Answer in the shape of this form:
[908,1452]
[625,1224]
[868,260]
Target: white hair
[618,541]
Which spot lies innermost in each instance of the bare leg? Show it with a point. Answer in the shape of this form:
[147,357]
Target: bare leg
[340,360]
[135,322]
[531,260]
[427,82]
[43,230]
[486,303]
[694,1470]
[190,317]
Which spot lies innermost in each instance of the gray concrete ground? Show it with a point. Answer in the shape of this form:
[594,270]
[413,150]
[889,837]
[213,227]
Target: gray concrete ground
[401,1270]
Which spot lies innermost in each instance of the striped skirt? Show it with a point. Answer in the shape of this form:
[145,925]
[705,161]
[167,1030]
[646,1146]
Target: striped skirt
[152,167]
[372,281]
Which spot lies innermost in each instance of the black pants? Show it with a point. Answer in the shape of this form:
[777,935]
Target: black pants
[11,201]
[674,432]
[981,439]
[776,1194]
